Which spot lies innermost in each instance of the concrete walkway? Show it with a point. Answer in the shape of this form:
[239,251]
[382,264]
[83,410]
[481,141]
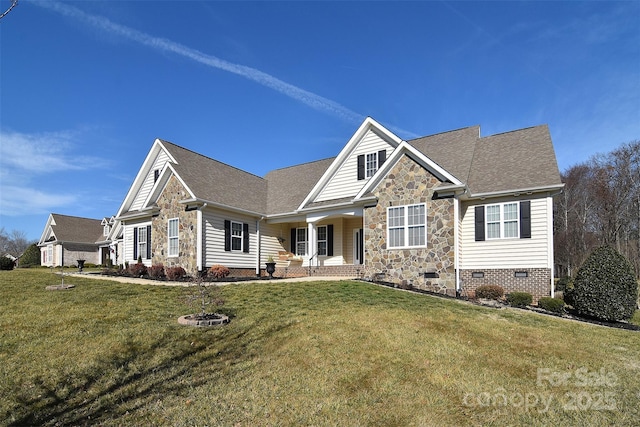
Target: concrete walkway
[138,281]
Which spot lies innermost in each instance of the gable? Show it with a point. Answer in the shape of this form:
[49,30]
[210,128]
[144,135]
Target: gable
[345,182]
[156,160]
[341,180]
[149,180]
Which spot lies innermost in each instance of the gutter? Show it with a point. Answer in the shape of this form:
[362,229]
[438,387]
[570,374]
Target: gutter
[516,192]
[204,203]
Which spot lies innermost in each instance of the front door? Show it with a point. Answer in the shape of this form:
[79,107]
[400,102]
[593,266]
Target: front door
[358,250]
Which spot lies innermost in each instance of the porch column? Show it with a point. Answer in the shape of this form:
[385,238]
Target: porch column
[312,243]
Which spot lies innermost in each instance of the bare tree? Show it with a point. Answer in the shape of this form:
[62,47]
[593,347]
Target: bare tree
[600,205]
[14,243]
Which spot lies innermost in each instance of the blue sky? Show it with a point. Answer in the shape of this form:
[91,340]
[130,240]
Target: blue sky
[87,86]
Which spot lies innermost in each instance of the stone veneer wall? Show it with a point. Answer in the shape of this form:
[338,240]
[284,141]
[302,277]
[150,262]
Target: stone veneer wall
[538,282]
[187,229]
[409,183]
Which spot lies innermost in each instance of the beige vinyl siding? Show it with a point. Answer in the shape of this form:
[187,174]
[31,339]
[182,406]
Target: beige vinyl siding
[214,253]
[507,253]
[127,237]
[270,246]
[344,182]
[147,185]
[349,225]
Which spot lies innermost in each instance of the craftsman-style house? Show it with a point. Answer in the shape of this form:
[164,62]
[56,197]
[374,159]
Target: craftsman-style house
[446,212]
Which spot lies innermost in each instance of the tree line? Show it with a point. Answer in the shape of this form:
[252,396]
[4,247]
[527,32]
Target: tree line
[600,205]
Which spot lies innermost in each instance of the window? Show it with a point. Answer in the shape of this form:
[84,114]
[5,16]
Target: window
[406,226]
[322,240]
[236,236]
[142,241]
[372,164]
[301,241]
[369,164]
[502,221]
[173,237]
[105,230]
[49,254]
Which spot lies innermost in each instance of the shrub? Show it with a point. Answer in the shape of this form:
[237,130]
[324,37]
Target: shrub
[519,299]
[6,263]
[30,257]
[156,271]
[489,292]
[563,283]
[218,271]
[175,273]
[605,286]
[554,305]
[137,270]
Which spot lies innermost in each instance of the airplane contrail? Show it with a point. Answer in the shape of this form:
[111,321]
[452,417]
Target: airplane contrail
[310,99]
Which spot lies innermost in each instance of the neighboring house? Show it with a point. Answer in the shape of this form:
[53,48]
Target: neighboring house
[67,239]
[446,212]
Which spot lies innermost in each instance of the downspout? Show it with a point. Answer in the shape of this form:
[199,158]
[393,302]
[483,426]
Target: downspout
[199,245]
[259,243]
[456,243]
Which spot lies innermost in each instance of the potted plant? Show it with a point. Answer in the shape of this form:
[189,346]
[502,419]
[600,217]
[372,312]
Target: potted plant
[271,266]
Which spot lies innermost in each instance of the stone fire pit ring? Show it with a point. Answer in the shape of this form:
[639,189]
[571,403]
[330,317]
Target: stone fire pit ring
[209,320]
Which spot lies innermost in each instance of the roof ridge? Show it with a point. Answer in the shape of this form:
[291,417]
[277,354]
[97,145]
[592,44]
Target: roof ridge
[513,131]
[442,133]
[164,141]
[301,164]
[74,216]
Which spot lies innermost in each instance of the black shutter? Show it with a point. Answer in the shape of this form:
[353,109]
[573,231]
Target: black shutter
[245,237]
[293,241]
[227,235]
[361,166]
[525,219]
[135,243]
[479,222]
[330,240]
[148,242]
[382,156]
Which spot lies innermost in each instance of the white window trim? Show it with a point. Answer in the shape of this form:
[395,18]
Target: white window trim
[325,240]
[241,236]
[142,254]
[306,241]
[502,221]
[406,226]
[370,158]
[176,238]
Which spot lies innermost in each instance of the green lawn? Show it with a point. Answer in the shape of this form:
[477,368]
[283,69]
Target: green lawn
[322,353]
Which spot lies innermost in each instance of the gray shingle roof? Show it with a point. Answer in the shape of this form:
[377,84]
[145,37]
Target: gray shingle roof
[515,160]
[452,150]
[288,187]
[218,182]
[76,229]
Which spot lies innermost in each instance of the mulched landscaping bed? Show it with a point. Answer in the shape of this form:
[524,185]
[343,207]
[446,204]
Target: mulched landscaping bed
[569,313]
